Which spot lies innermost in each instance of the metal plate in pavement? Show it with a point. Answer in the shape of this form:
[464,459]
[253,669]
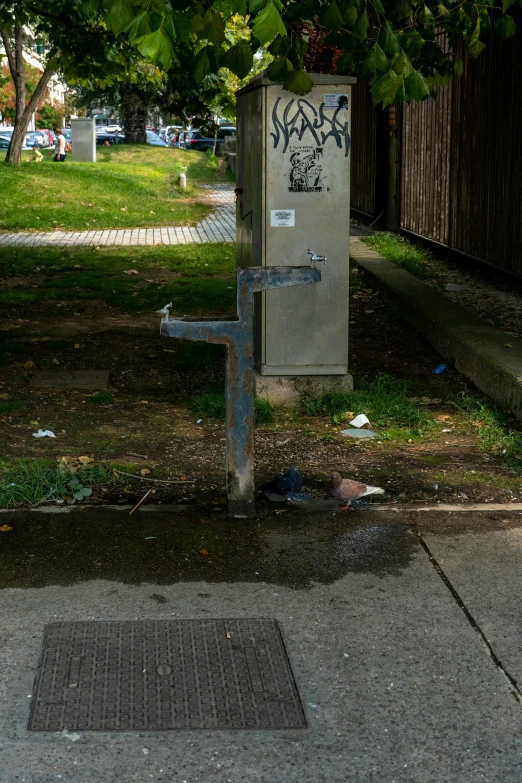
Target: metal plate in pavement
[165,674]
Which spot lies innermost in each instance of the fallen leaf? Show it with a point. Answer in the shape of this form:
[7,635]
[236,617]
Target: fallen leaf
[228,635]
[144,402]
[77,345]
[131,272]
[85,460]
[7,529]
[508,345]
[123,209]
[151,212]
[55,362]
[443,417]
[29,365]
[478,424]
[182,478]
[34,422]
[144,471]
[4,396]
[203,552]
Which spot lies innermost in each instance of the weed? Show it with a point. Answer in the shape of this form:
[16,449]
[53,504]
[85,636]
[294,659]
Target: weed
[101,398]
[264,410]
[403,253]
[493,431]
[31,481]
[383,400]
[11,407]
[213,404]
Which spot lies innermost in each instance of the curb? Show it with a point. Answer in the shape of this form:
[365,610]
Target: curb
[478,349]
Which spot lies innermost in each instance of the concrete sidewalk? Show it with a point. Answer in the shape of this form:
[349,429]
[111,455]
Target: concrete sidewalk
[489,357]
[220,226]
[386,632]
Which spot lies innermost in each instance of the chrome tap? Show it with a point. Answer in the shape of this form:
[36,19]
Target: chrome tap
[314,257]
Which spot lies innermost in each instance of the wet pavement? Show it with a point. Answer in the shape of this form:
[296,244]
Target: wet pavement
[405,640]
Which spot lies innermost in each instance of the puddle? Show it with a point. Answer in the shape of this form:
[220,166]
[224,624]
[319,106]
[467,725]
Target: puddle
[290,550]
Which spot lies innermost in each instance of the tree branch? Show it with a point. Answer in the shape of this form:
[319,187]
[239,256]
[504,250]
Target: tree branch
[9,52]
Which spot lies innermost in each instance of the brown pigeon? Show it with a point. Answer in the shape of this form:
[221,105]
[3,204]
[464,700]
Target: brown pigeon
[348,490]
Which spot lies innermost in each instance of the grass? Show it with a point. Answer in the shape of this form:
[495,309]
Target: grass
[213,404]
[195,278]
[31,481]
[494,433]
[101,398]
[134,185]
[384,400]
[403,253]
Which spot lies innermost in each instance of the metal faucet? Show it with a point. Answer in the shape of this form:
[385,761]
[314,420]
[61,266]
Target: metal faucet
[315,257]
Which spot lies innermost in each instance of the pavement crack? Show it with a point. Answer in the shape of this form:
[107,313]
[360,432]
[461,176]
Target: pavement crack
[510,681]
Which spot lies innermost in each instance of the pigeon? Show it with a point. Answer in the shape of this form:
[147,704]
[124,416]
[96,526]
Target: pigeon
[348,490]
[284,483]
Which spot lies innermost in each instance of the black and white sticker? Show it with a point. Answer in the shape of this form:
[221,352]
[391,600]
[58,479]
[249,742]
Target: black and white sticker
[282,218]
[336,100]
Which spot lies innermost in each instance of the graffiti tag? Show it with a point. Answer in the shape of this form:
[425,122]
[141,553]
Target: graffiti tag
[300,117]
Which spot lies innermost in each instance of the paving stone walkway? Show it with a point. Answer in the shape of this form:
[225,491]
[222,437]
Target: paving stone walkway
[220,226]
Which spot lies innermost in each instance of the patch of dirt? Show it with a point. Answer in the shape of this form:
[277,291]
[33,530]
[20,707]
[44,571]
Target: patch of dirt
[151,416]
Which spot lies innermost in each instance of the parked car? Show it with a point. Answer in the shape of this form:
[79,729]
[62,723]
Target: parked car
[37,137]
[112,138]
[154,139]
[6,140]
[195,140]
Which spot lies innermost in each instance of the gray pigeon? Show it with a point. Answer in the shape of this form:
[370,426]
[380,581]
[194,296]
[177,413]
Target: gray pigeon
[284,483]
[348,490]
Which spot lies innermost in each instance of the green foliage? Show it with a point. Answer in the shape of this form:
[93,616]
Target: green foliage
[493,427]
[26,481]
[127,186]
[213,404]
[403,253]
[101,398]
[384,400]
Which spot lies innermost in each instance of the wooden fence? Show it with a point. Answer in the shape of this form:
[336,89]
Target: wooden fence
[459,160]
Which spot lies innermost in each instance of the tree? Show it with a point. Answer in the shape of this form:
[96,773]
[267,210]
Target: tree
[395,43]
[13,38]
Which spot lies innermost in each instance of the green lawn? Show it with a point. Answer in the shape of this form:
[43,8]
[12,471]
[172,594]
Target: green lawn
[195,278]
[134,185]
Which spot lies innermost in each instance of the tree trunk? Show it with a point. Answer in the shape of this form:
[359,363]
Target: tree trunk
[19,78]
[134,109]
[14,153]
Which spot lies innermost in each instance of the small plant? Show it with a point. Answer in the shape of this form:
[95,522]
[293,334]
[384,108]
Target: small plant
[264,410]
[10,407]
[494,433]
[32,481]
[101,398]
[403,253]
[212,161]
[213,404]
[384,400]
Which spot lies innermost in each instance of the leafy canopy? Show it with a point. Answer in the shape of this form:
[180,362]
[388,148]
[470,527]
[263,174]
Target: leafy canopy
[404,46]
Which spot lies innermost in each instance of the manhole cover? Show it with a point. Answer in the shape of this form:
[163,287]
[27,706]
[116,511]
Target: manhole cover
[75,379]
[165,674]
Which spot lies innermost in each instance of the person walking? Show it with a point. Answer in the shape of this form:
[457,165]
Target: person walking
[59,147]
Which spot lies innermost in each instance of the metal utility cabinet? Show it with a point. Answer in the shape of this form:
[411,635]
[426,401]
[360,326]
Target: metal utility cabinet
[83,140]
[293,195]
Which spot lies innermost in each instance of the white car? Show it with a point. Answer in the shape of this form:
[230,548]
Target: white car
[114,129]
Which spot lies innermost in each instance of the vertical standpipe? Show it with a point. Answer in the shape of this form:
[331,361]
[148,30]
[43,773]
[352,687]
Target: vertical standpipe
[239,339]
